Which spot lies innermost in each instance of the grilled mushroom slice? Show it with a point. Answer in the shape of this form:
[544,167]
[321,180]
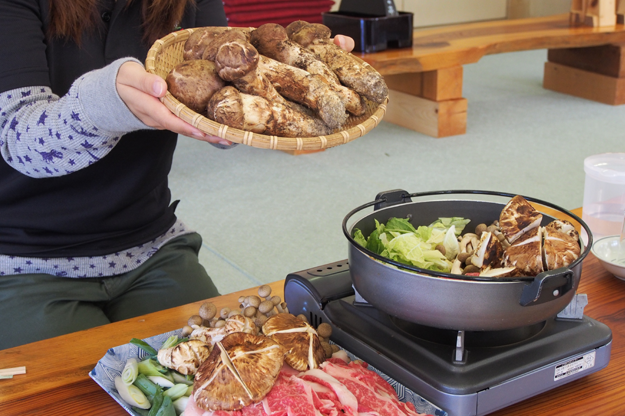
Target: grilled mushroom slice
[241,370]
[240,323]
[563,226]
[561,244]
[185,357]
[526,253]
[488,252]
[517,218]
[299,339]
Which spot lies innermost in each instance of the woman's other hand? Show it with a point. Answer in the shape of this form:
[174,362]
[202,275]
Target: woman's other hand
[141,91]
[344,42]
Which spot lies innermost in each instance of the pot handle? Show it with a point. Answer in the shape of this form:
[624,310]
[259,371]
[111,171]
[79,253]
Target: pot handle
[547,286]
[389,198]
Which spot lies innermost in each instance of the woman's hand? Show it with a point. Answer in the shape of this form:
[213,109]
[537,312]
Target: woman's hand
[141,91]
[344,42]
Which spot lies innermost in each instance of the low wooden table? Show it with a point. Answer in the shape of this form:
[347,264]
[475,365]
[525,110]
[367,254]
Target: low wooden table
[426,80]
[57,381]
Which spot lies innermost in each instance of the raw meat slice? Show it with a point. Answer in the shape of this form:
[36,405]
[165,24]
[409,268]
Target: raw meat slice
[347,400]
[290,396]
[373,393]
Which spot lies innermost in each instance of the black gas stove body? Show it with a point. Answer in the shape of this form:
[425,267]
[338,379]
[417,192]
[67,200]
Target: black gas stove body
[463,373]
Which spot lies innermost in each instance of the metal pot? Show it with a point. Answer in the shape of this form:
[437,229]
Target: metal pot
[449,301]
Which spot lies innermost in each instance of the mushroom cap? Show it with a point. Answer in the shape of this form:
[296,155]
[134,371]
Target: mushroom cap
[299,339]
[489,251]
[563,226]
[212,44]
[208,335]
[196,43]
[193,83]
[309,34]
[560,248]
[295,26]
[236,59]
[240,371]
[240,323]
[268,36]
[226,107]
[517,218]
[526,253]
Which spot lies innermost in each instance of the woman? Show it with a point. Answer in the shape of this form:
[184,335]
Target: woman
[88,233]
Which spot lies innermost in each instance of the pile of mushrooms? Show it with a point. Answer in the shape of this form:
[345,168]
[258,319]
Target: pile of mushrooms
[236,353]
[516,244]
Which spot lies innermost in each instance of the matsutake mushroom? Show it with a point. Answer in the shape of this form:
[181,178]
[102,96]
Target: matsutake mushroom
[488,252]
[299,339]
[517,218]
[233,323]
[359,76]
[560,245]
[241,370]
[272,40]
[237,62]
[249,112]
[185,357]
[526,253]
[193,83]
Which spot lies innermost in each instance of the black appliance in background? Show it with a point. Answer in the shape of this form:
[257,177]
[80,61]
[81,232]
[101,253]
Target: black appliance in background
[375,25]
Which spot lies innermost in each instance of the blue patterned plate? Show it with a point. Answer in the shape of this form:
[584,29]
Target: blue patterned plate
[113,362]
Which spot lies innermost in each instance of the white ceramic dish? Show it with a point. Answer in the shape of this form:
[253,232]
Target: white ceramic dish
[611,255]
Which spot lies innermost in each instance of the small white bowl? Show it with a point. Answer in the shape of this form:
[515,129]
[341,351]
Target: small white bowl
[611,254]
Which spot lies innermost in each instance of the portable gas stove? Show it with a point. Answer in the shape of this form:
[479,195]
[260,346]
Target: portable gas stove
[459,372]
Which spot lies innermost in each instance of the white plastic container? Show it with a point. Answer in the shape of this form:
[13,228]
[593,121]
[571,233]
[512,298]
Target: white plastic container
[604,194]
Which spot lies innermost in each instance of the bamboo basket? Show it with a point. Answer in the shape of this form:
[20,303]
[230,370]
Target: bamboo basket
[167,53]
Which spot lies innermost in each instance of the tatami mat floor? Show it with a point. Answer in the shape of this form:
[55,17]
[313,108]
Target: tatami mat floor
[264,214]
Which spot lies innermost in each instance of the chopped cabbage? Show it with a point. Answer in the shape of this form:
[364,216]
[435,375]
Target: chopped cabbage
[400,241]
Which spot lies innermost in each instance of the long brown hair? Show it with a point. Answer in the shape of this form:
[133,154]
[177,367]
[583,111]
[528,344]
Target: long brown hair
[72,18]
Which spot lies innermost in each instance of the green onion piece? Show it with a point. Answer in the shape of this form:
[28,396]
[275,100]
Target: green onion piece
[144,346]
[167,408]
[130,372]
[173,341]
[189,391]
[131,394]
[156,404]
[181,378]
[170,342]
[141,412]
[150,367]
[160,368]
[147,387]
[161,381]
[181,404]
[176,392]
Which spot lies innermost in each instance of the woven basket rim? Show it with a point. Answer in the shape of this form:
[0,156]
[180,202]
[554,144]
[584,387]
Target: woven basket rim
[249,138]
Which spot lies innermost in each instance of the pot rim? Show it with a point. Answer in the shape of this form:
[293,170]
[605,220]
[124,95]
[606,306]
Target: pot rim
[406,198]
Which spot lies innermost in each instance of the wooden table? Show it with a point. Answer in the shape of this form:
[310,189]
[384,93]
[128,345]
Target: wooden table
[426,79]
[57,380]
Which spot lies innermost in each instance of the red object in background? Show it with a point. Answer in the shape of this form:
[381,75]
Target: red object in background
[258,12]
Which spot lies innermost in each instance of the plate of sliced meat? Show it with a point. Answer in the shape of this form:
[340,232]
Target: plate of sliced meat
[338,386]
[269,87]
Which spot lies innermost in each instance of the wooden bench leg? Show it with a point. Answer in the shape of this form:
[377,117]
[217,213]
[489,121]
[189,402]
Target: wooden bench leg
[595,73]
[428,102]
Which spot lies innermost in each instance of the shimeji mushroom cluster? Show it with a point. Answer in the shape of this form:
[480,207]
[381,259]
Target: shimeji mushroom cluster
[258,308]
[468,244]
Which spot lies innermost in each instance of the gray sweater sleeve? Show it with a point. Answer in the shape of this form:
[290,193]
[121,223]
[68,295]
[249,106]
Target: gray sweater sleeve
[43,135]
